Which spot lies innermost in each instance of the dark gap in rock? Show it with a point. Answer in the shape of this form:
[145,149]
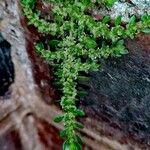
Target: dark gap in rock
[6,66]
[10,141]
[48,135]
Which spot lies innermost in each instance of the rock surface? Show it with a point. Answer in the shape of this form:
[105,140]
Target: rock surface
[126,9]
[142,3]
[119,93]
[25,122]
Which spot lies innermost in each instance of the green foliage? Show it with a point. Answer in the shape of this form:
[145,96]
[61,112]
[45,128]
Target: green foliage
[29,3]
[145,27]
[108,3]
[71,146]
[76,36]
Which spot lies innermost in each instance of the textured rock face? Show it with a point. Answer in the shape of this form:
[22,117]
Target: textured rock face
[142,3]
[126,9]
[6,66]
[23,126]
[119,93]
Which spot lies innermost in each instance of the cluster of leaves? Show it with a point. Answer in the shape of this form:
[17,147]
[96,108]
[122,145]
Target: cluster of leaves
[108,3]
[75,49]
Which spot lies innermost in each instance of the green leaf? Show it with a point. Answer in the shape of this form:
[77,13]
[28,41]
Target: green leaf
[146,30]
[78,125]
[25,2]
[110,3]
[83,78]
[28,2]
[86,2]
[58,119]
[63,133]
[82,93]
[71,146]
[118,21]
[106,19]
[120,42]
[78,139]
[89,42]
[79,112]
[39,45]
[53,42]
[132,21]
[145,17]
[124,51]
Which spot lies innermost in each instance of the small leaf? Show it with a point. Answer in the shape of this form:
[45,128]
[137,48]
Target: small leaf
[124,51]
[63,133]
[132,21]
[83,78]
[26,2]
[82,93]
[86,2]
[79,112]
[146,30]
[106,19]
[40,45]
[53,42]
[144,17]
[71,146]
[110,3]
[120,42]
[78,139]
[58,119]
[78,125]
[89,42]
[118,21]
